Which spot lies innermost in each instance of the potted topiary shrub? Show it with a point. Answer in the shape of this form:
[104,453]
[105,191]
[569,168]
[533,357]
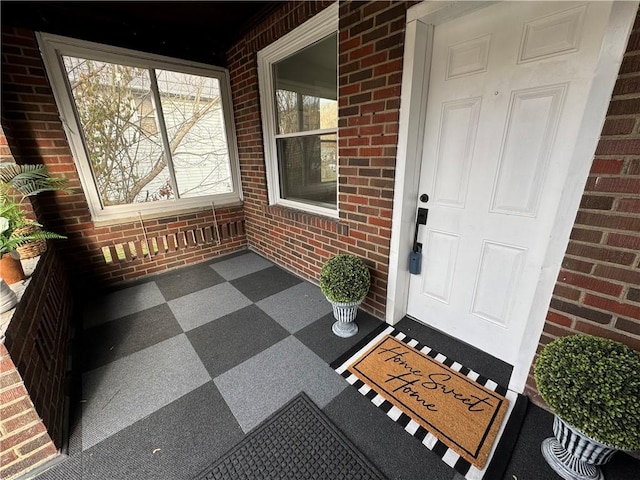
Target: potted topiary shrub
[592,385]
[345,281]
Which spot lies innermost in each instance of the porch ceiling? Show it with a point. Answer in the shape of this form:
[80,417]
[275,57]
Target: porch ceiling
[199,31]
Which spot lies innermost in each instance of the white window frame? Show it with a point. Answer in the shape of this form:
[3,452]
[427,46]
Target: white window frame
[53,47]
[318,27]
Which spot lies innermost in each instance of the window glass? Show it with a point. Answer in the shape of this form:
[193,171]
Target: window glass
[192,111]
[116,111]
[306,111]
[306,90]
[308,168]
[149,134]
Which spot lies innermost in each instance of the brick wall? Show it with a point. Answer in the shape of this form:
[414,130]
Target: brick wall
[24,441]
[371,38]
[29,112]
[598,288]
[33,370]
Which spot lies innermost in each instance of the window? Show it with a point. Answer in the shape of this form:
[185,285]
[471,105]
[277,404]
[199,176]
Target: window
[298,91]
[149,134]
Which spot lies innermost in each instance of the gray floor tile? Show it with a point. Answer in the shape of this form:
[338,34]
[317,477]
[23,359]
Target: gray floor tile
[240,266]
[527,460]
[209,304]
[234,338]
[187,280]
[396,453]
[116,339]
[121,303]
[176,442]
[296,307]
[264,383]
[127,390]
[319,337]
[265,283]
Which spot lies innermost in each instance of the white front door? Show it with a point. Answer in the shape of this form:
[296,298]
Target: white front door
[507,94]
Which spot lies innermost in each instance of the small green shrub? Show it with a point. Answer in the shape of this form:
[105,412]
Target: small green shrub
[593,384]
[345,278]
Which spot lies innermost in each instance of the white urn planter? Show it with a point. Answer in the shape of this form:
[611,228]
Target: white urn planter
[573,455]
[345,281]
[8,297]
[345,315]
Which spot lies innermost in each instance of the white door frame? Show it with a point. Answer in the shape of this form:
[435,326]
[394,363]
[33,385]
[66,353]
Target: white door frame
[421,20]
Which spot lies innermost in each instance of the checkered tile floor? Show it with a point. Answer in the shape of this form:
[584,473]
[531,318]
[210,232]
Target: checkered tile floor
[176,369]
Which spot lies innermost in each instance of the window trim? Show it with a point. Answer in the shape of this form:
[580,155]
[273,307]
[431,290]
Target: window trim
[52,47]
[316,28]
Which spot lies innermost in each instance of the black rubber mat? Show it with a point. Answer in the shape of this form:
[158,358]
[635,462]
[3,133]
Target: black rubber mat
[298,442]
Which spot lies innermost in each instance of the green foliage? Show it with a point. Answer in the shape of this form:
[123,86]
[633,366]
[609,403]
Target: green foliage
[27,180]
[16,183]
[593,384]
[345,278]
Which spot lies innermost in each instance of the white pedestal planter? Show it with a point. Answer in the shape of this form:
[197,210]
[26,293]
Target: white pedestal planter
[573,455]
[345,315]
[8,297]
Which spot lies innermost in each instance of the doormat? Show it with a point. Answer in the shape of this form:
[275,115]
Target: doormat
[298,442]
[461,416]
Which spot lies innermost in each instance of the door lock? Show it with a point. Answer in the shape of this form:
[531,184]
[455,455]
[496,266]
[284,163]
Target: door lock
[415,257]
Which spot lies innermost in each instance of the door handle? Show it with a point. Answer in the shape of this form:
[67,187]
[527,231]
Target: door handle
[415,257]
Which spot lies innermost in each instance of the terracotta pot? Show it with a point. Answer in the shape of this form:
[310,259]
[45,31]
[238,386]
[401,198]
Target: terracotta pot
[11,269]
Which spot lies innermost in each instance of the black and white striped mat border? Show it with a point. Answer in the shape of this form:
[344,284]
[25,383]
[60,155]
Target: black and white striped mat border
[447,455]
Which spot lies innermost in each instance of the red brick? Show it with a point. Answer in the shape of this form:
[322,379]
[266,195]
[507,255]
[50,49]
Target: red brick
[33,459]
[599,331]
[602,220]
[589,283]
[619,274]
[614,184]
[604,166]
[629,205]
[581,311]
[12,394]
[600,253]
[621,126]
[585,235]
[12,409]
[10,379]
[566,292]
[559,319]
[10,441]
[624,309]
[623,241]
[630,326]
[577,265]
[556,331]
[624,107]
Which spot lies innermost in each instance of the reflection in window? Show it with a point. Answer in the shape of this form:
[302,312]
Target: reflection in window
[123,131]
[306,111]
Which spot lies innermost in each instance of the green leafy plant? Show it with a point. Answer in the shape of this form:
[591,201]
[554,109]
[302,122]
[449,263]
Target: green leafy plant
[593,384]
[17,182]
[345,278]
[27,180]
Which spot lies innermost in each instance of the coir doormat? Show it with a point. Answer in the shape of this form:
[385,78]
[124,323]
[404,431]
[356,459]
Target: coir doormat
[455,412]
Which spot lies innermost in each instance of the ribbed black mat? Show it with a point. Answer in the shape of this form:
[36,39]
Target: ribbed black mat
[298,442]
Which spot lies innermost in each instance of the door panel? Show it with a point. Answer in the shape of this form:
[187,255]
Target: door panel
[506,96]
